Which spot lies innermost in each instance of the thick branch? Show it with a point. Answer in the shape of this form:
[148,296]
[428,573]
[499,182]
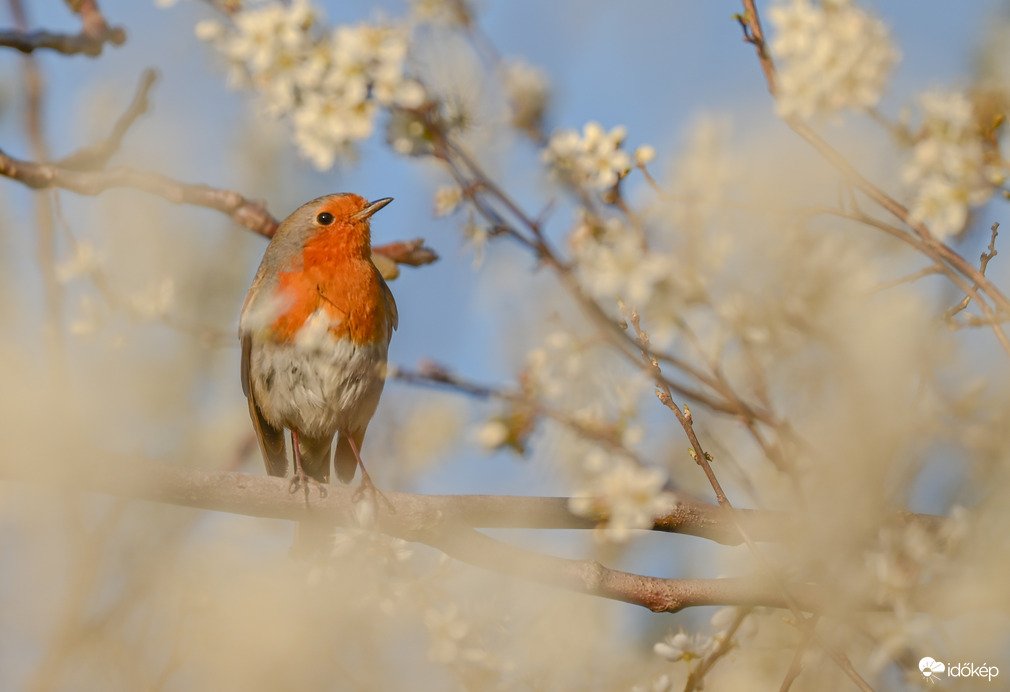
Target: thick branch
[444,522]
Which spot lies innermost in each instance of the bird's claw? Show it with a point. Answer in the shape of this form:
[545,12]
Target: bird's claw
[301,480]
[367,486]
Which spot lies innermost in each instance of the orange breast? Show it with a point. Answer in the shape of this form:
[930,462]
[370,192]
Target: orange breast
[337,277]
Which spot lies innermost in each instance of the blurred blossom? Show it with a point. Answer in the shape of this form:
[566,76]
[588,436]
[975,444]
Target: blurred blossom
[427,434]
[950,169]
[630,497]
[445,12]
[476,236]
[407,134]
[705,171]
[447,199]
[82,263]
[684,647]
[492,434]
[594,158]
[644,155]
[447,629]
[528,92]
[88,320]
[613,262]
[831,55]
[660,684]
[154,301]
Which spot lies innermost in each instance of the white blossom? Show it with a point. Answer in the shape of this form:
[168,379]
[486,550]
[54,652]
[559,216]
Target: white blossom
[631,497]
[831,56]
[329,85]
[492,434]
[644,155]
[681,646]
[595,157]
[948,172]
[447,199]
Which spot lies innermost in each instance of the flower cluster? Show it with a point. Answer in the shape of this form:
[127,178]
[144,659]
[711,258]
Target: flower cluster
[950,168]
[330,85]
[831,55]
[594,158]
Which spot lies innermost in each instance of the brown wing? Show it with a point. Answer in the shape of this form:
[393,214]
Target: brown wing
[394,316]
[271,439]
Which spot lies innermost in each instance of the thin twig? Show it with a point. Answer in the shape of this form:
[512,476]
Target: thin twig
[97,155]
[95,33]
[796,665]
[696,678]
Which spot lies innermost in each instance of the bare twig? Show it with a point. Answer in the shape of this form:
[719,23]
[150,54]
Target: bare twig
[97,155]
[251,214]
[796,665]
[910,278]
[984,260]
[34,84]
[67,44]
[429,373]
[95,33]
[696,679]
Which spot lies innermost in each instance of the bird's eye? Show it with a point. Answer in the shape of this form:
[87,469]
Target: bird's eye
[325,218]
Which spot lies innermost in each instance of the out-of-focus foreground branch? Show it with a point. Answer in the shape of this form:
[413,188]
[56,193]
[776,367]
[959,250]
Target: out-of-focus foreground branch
[448,523]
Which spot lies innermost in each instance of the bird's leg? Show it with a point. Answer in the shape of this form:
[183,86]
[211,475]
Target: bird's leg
[302,479]
[299,479]
[366,481]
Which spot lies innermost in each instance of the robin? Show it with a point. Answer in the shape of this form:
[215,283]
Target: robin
[315,331]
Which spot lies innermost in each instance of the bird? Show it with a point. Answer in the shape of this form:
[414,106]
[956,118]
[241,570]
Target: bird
[315,330]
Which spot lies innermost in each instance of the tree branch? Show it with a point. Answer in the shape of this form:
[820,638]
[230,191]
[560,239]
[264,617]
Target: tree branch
[250,214]
[444,522]
[95,33]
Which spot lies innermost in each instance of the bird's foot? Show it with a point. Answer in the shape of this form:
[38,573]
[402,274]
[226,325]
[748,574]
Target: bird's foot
[367,486]
[302,481]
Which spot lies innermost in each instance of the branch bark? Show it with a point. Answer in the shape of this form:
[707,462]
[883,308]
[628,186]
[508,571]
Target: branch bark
[449,523]
[95,33]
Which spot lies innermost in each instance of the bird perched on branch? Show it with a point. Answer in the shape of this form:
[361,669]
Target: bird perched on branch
[315,331]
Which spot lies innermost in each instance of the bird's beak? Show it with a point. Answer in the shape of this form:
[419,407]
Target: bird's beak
[371,208]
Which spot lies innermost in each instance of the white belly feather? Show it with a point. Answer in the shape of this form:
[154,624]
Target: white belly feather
[318,386]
